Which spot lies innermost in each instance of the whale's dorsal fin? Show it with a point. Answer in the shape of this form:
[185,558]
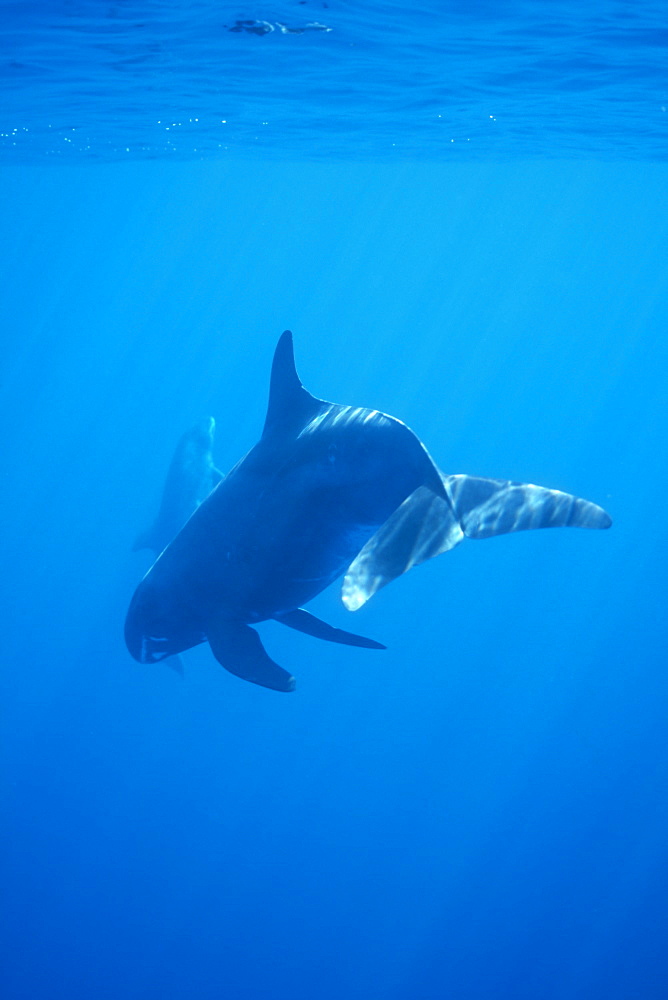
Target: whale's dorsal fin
[291,406]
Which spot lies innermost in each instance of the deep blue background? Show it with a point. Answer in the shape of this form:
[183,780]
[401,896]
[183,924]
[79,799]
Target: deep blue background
[478,812]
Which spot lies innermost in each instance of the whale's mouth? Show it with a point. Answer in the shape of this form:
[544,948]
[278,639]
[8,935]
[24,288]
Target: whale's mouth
[151,642]
[154,649]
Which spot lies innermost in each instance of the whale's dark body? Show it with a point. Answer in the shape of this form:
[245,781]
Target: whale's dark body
[327,489]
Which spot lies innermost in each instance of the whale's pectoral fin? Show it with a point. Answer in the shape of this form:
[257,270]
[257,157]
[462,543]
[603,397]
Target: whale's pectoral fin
[304,621]
[422,527]
[487,507]
[238,648]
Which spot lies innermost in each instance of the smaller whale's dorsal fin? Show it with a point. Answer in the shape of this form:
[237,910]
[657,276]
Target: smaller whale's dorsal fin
[291,406]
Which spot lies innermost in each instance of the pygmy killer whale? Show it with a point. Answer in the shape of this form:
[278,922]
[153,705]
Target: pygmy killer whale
[329,490]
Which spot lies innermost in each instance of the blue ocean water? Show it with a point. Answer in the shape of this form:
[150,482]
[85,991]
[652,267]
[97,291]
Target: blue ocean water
[480,810]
